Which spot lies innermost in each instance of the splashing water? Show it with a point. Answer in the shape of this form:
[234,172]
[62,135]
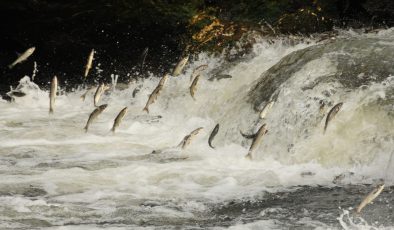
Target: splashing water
[54,174]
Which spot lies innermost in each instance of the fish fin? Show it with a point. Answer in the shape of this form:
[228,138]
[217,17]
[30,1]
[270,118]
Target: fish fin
[113,129]
[248,156]
[251,136]
[10,66]
[146,109]
[86,129]
[50,111]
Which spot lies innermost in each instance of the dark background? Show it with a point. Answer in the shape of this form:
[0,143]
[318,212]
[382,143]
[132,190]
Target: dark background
[64,32]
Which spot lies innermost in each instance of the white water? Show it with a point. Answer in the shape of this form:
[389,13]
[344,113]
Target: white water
[99,176]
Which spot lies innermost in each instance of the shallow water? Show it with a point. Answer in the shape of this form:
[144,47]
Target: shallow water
[56,176]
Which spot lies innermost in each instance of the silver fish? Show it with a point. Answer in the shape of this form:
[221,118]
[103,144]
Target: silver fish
[52,94]
[333,112]
[188,138]
[179,67]
[266,109]
[119,118]
[197,71]
[99,91]
[23,57]
[94,115]
[193,86]
[89,63]
[371,196]
[212,136]
[164,79]
[256,141]
[156,92]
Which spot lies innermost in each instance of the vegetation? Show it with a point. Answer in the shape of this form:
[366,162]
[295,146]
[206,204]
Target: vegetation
[66,31]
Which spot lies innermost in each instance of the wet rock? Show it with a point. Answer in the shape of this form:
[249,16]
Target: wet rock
[304,21]
[364,59]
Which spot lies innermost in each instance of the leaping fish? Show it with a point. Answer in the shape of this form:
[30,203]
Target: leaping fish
[89,63]
[197,71]
[52,94]
[188,138]
[193,86]
[266,109]
[99,91]
[153,96]
[371,196]
[94,115]
[23,57]
[212,136]
[179,67]
[119,118]
[333,112]
[256,140]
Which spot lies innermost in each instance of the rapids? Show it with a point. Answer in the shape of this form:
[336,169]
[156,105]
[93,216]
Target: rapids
[56,176]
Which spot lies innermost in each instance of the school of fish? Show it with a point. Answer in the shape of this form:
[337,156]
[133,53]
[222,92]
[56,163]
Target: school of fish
[186,141]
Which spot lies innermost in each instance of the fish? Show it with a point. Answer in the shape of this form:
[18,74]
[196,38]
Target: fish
[136,91]
[197,70]
[193,86]
[371,196]
[248,136]
[99,91]
[23,57]
[89,63]
[188,138]
[212,135]
[52,94]
[119,118]
[143,57]
[164,79]
[256,141]
[16,93]
[266,109]
[179,67]
[94,115]
[333,112]
[156,92]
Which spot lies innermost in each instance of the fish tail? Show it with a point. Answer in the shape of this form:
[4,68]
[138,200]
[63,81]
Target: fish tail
[146,109]
[86,128]
[10,66]
[50,111]
[210,145]
[248,156]
[113,129]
